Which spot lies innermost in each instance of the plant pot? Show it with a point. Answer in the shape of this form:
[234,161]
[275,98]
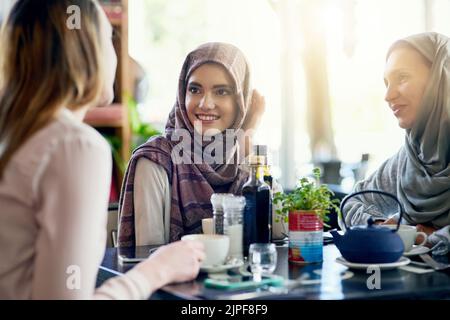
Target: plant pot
[305,237]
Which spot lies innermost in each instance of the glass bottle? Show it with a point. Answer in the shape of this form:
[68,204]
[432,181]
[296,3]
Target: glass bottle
[258,206]
[234,227]
[279,226]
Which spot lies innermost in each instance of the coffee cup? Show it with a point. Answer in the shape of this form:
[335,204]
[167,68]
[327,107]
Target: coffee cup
[216,247]
[409,234]
[208,226]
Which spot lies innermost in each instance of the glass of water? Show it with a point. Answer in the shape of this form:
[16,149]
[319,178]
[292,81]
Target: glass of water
[262,259]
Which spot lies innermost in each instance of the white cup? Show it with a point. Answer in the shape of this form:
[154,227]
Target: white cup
[216,247]
[408,234]
[208,226]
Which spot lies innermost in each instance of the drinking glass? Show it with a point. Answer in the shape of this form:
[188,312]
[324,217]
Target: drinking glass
[262,258]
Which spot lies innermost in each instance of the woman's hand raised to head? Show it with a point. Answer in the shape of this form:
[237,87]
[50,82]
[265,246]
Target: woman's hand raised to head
[253,118]
[176,262]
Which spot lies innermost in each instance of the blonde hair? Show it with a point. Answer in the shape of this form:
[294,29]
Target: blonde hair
[45,66]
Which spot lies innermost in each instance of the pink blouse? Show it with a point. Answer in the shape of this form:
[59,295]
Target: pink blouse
[53,215]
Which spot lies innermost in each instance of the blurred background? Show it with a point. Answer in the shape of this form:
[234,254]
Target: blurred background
[319,63]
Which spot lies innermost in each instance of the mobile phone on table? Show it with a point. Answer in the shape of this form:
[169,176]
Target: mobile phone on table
[136,254]
[239,282]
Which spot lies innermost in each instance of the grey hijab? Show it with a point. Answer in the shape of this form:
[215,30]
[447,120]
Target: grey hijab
[424,182]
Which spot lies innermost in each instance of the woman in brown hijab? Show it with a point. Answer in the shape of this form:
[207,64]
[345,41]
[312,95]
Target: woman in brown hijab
[170,179]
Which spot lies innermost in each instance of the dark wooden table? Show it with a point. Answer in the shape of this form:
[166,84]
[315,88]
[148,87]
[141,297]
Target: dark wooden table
[324,281]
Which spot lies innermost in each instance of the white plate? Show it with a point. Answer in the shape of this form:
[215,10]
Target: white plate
[416,250]
[220,268]
[403,261]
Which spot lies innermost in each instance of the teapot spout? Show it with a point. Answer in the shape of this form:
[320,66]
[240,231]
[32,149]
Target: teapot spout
[336,237]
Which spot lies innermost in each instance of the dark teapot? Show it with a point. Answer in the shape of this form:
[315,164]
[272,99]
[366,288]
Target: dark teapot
[372,243]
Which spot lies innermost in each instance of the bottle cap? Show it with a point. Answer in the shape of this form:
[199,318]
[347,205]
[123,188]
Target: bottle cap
[234,203]
[217,199]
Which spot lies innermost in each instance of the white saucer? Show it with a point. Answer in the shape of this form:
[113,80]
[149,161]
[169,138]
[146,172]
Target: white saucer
[416,250]
[220,268]
[403,261]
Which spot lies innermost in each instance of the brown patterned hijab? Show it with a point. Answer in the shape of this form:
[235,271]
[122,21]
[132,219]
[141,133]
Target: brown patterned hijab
[192,183]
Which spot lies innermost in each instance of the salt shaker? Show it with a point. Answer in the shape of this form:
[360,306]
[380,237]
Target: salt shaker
[234,227]
[216,201]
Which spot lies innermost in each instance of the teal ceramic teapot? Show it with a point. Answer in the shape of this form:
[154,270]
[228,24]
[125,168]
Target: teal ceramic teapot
[371,243]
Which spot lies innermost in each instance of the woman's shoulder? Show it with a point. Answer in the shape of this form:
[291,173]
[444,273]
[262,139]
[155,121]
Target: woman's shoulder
[64,134]
[396,161]
[157,150]
[149,167]
[157,143]
[65,128]
[147,170]
[386,174]
[76,131]
[64,137]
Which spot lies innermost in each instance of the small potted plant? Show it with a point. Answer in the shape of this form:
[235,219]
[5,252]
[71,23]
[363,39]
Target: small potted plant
[306,208]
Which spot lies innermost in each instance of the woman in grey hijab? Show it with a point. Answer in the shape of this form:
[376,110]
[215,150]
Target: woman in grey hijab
[417,78]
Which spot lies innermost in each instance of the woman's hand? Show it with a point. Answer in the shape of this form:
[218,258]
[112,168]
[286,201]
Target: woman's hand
[390,221]
[252,119]
[176,262]
[427,229]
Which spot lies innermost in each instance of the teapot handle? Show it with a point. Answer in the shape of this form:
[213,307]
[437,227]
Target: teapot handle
[372,191]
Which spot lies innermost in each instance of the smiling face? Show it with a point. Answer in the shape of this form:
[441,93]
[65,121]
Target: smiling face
[210,99]
[406,77]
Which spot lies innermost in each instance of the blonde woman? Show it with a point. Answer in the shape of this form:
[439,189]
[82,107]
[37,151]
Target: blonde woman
[55,170]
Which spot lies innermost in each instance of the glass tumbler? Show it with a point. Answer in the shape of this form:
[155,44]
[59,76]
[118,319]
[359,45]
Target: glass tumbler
[262,258]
